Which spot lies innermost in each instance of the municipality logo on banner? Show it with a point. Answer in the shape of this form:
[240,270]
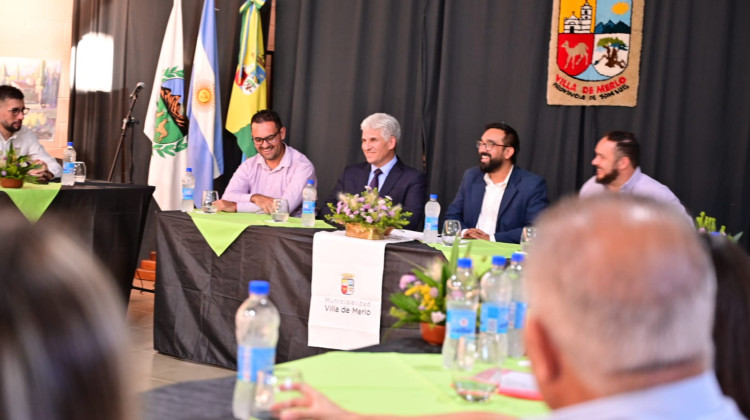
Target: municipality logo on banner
[347,284]
[595,50]
[170,122]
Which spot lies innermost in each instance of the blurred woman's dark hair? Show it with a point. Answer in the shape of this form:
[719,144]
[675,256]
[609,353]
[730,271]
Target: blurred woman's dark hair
[63,342]
[731,322]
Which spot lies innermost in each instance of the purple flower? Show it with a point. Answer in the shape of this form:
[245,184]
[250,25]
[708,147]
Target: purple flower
[437,317]
[4,173]
[368,219]
[421,307]
[384,208]
[406,280]
[391,213]
[433,292]
[361,199]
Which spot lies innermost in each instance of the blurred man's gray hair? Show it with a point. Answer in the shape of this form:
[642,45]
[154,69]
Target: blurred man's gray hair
[622,285]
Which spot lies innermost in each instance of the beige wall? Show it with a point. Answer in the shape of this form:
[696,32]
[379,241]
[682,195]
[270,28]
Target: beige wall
[42,29]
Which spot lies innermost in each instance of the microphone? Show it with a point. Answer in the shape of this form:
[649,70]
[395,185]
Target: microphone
[137,89]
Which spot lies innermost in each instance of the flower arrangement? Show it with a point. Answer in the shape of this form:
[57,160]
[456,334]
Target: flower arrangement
[422,296]
[15,166]
[369,210]
[707,224]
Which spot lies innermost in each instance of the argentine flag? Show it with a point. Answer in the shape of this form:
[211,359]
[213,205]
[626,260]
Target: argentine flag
[205,150]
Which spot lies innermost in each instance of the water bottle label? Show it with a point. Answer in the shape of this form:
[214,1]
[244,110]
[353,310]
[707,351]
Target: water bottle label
[187,193]
[431,223]
[251,360]
[461,322]
[69,167]
[518,316]
[494,318]
[308,207]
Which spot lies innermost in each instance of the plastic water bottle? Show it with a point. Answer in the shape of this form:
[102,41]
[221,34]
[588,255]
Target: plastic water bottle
[495,291]
[69,166]
[462,298]
[257,324]
[518,306]
[309,196]
[188,189]
[431,215]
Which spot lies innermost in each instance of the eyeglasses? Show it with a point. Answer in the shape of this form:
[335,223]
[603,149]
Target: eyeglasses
[16,111]
[489,144]
[269,139]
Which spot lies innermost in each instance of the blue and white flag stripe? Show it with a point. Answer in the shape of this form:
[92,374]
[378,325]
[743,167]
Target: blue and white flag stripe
[205,149]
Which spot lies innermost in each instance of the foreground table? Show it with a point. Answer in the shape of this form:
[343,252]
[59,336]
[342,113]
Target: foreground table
[198,293]
[109,218]
[369,383]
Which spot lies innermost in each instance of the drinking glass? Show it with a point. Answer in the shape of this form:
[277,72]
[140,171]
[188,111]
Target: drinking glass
[472,379]
[451,231]
[273,387]
[527,237]
[280,211]
[79,171]
[207,203]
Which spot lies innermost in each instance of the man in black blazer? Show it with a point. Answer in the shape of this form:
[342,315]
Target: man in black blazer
[497,199]
[384,170]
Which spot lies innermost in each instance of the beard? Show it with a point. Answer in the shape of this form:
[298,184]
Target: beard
[12,127]
[492,165]
[608,177]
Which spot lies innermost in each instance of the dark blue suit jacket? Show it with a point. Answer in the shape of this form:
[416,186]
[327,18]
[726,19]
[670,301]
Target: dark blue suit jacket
[524,198]
[404,184]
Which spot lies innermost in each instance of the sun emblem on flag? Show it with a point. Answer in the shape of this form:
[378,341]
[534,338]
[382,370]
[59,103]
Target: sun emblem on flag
[204,98]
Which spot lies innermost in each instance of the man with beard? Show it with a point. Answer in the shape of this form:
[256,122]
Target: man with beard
[12,112]
[277,171]
[497,199]
[616,159]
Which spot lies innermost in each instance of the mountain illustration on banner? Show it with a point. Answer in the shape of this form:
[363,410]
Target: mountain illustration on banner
[594,38]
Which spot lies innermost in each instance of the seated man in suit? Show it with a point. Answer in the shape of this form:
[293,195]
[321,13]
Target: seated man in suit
[497,199]
[384,170]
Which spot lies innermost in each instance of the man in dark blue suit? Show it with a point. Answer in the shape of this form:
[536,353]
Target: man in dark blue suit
[497,199]
[384,170]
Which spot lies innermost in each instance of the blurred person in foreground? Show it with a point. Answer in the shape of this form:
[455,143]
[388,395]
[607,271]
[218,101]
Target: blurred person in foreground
[619,324]
[63,341]
[731,330]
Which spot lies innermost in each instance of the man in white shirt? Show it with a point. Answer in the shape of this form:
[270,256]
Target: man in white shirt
[12,112]
[497,199]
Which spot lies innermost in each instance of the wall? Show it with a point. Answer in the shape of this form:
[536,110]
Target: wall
[42,29]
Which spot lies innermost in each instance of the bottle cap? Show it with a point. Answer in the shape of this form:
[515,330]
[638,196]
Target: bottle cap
[310,182]
[517,257]
[498,260]
[70,143]
[259,287]
[433,196]
[464,263]
[189,169]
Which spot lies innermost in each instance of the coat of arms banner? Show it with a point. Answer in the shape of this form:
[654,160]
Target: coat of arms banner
[595,52]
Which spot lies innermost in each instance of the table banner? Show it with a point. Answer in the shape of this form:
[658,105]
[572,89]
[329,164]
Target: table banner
[347,289]
[221,229]
[33,199]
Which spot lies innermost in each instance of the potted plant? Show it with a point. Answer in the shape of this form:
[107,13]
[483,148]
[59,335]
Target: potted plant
[422,297]
[706,224]
[367,215]
[14,169]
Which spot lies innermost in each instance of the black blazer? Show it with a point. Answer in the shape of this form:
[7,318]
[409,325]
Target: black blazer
[404,184]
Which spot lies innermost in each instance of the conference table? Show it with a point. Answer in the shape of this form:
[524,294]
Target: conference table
[367,382]
[108,219]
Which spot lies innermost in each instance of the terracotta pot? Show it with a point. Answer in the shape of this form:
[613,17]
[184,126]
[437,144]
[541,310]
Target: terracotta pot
[432,334]
[11,183]
[356,230]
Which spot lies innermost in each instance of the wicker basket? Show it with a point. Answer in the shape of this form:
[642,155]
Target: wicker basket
[356,230]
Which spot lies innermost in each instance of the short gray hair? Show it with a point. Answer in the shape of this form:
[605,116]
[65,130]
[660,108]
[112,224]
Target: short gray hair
[622,285]
[387,124]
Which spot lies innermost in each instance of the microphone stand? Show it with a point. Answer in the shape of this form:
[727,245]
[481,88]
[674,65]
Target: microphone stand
[126,122]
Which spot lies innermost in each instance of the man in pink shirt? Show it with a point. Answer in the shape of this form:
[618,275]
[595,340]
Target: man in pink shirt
[277,171]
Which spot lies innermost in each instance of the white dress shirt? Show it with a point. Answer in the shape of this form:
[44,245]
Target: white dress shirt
[493,196]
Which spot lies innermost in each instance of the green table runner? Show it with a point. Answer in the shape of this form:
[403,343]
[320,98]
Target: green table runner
[221,229]
[33,199]
[399,384]
[481,252]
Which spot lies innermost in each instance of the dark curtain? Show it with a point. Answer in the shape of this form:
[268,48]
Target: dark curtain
[445,68]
